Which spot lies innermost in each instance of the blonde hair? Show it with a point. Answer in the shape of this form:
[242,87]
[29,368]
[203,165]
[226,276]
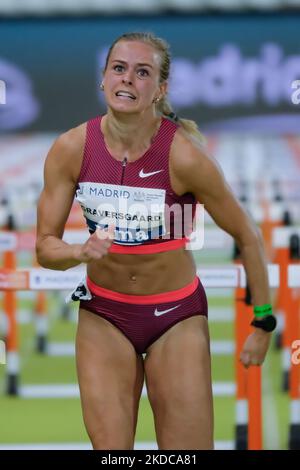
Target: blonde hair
[163,106]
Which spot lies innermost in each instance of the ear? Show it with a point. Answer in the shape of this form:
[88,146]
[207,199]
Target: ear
[163,88]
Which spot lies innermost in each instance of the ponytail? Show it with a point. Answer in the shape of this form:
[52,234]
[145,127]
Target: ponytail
[190,127]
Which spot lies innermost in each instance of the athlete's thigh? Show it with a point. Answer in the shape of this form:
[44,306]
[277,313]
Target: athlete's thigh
[110,375]
[178,377]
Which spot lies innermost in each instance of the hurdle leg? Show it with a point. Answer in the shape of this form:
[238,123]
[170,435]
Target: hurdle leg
[294,428]
[41,320]
[10,309]
[255,408]
[241,329]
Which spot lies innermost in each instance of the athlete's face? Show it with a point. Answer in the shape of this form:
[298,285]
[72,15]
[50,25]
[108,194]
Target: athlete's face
[132,77]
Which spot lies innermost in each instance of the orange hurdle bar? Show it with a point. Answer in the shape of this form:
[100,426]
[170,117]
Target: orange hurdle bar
[248,382]
[12,340]
[255,438]
[241,332]
[294,335]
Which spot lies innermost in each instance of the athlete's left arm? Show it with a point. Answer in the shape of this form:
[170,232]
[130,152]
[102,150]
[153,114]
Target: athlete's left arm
[201,175]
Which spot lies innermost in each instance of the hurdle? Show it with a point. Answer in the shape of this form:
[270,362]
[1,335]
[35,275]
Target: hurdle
[39,279]
[242,330]
[286,253]
[10,308]
[11,339]
[294,389]
[12,242]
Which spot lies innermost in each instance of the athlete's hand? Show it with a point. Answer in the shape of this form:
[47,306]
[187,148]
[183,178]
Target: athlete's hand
[255,348]
[96,246]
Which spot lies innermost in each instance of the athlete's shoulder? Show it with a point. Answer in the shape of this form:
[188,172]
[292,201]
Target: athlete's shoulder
[188,152]
[66,153]
[72,141]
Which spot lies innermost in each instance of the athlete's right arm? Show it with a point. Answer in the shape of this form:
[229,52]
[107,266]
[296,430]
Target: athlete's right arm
[61,171]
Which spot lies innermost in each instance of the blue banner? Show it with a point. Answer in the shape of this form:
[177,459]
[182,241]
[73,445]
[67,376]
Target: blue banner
[238,72]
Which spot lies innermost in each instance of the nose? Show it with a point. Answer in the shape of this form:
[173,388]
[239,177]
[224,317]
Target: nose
[127,77]
[126,81]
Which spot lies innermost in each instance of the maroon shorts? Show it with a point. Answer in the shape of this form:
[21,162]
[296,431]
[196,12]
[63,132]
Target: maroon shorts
[144,318]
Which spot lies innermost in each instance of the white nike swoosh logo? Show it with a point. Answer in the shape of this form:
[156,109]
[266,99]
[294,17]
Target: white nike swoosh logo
[157,313]
[145,175]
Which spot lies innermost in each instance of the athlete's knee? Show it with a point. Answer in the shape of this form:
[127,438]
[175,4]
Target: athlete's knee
[112,435]
[111,441]
[114,430]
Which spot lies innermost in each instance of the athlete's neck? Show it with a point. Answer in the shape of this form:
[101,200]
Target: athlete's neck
[130,134]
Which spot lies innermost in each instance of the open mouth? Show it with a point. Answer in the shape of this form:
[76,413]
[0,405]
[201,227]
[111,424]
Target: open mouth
[125,94]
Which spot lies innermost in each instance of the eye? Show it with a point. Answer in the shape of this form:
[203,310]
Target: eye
[118,68]
[143,72]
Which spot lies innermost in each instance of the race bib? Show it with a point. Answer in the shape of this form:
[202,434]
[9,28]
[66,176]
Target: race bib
[137,213]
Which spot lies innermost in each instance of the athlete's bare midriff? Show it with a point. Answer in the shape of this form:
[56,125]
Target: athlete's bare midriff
[144,274]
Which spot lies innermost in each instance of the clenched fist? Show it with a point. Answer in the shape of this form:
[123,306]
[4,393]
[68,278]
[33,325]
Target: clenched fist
[255,348]
[96,246]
